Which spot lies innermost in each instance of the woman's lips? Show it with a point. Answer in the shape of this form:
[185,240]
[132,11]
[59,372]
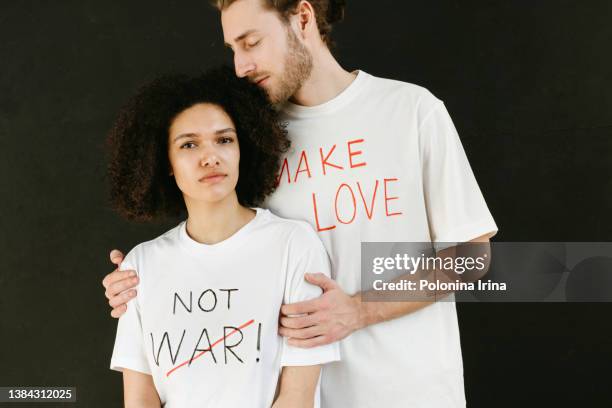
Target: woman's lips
[213,178]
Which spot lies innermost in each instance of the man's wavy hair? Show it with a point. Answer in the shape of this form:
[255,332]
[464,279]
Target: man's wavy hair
[327,12]
[140,185]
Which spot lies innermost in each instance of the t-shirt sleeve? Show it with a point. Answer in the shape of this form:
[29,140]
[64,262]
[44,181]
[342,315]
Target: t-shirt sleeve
[456,209]
[306,254]
[129,349]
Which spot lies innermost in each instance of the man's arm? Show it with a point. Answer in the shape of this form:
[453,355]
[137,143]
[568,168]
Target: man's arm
[297,386]
[335,315]
[377,312]
[119,285]
[139,390]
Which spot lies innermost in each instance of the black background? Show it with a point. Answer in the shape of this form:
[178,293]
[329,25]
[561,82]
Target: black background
[528,85]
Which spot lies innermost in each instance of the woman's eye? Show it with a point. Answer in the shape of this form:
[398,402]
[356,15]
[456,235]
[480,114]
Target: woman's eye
[188,145]
[253,44]
[225,140]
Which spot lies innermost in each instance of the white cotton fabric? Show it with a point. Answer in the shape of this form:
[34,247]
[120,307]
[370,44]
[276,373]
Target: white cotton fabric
[382,162]
[260,267]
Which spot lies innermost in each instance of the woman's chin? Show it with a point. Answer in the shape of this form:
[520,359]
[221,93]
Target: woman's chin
[212,198]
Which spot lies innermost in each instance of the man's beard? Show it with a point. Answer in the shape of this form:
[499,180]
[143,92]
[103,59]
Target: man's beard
[297,69]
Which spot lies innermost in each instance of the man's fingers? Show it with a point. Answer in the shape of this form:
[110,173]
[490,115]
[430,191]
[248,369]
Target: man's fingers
[116,276]
[313,342]
[298,322]
[116,256]
[117,287]
[307,333]
[323,281]
[307,306]
[122,298]
[117,284]
[118,311]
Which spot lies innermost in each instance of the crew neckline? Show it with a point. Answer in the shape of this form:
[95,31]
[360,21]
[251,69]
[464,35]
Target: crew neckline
[230,242]
[337,102]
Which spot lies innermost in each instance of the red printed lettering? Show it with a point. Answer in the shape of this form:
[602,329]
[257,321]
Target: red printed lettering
[387,198]
[370,211]
[280,175]
[303,159]
[344,205]
[354,204]
[316,215]
[354,153]
[325,162]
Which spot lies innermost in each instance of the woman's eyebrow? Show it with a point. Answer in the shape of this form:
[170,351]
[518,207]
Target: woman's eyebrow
[226,130]
[184,135]
[217,132]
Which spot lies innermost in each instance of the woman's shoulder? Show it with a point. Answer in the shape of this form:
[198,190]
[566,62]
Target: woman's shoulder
[147,249]
[291,231]
[291,225]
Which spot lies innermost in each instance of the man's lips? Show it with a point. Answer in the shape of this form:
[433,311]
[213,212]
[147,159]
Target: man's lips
[213,178]
[261,80]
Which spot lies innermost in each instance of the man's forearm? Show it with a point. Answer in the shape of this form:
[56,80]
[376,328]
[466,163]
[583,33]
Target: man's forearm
[337,314]
[374,312]
[378,312]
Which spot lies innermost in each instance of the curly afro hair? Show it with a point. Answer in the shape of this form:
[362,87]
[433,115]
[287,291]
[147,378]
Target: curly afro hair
[140,187]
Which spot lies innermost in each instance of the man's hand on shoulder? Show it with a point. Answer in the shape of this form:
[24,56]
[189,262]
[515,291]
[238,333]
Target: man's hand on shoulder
[329,318]
[119,285]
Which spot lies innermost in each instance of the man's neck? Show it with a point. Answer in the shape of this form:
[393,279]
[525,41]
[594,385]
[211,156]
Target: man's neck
[327,80]
[211,223]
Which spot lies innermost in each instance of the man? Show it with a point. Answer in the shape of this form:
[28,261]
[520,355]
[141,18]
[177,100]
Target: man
[371,160]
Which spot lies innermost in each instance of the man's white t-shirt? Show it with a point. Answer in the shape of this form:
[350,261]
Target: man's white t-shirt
[382,162]
[205,321]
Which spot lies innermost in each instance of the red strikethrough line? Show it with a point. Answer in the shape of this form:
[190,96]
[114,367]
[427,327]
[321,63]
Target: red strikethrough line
[211,346]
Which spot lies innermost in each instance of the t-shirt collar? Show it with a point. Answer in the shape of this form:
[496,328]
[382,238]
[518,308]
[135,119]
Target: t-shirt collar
[230,243]
[340,100]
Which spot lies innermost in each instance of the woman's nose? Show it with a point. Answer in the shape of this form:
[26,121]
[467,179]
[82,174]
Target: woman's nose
[209,159]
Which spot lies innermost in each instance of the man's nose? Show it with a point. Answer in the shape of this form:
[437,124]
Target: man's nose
[243,65]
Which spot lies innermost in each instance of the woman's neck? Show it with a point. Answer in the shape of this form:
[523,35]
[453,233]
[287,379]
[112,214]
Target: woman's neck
[211,223]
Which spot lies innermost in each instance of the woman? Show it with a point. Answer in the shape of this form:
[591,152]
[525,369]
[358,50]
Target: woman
[203,330]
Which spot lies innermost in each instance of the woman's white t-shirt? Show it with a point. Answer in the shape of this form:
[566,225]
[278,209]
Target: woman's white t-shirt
[205,321]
